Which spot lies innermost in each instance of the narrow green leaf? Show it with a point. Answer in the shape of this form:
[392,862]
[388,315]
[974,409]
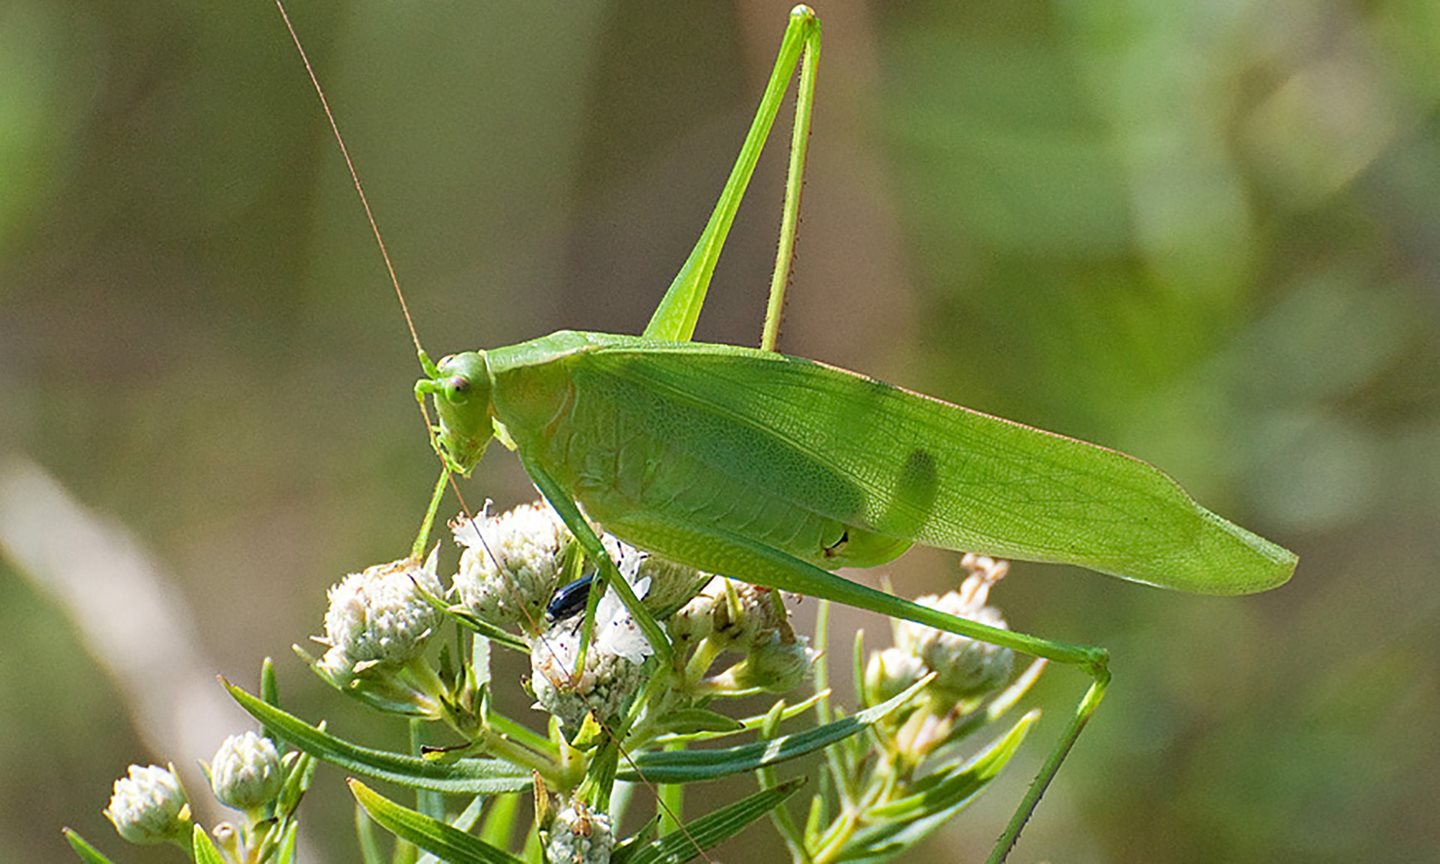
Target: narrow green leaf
[500,819]
[466,819]
[370,851]
[285,852]
[270,693]
[203,848]
[688,721]
[297,781]
[708,830]
[896,826]
[963,782]
[688,766]
[463,822]
[432,835]
[460,777]
[646,835]
[82,847]
[750,723]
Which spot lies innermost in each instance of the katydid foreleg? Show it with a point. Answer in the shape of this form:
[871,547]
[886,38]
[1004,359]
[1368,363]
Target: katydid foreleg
[594,549]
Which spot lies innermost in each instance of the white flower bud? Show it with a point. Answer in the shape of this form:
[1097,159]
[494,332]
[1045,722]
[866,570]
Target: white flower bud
[529,541]
[778,666]
[149,806]
[246,773]
[963,666]
[888,673]
[741,614]
[377,616]
[580,836]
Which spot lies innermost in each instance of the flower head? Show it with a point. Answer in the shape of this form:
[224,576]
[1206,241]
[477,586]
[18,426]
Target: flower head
[378,616]
[671,584]
[742,615]
[246,772]
[614,662]
[777,666]
[529,542]
[579,835]
[149,806]
[963,666]
[890,672]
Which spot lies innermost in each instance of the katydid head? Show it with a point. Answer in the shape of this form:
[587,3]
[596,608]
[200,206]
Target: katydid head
[460,386]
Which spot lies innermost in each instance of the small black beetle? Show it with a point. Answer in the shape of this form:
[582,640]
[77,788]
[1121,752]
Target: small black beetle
[570,599]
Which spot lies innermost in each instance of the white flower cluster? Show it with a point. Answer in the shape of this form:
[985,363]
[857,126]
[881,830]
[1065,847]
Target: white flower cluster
[149,806]
[580,836]
[964,667]
[529,542]
[377,616]
[246,772]
[614,662]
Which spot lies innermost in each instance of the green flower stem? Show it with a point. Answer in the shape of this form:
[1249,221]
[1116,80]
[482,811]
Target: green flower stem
[186,843]
[498,744]
[657,700]
[822,662]
[573,763]
[881,788]
[705,654]
[521,734]
[780,817]
[671,799]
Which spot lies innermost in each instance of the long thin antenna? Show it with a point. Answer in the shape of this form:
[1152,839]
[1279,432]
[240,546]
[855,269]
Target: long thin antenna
[354,176]
[415,338]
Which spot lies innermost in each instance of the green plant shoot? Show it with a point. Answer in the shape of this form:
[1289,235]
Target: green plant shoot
[778,470]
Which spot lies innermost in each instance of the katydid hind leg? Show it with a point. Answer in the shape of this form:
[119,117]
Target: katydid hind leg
[761,565]
[679,309]
[794,185]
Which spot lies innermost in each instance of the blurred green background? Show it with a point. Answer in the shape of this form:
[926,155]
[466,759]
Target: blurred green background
[1205,233]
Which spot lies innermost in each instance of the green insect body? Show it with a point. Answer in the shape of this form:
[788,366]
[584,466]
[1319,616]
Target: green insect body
[677,446]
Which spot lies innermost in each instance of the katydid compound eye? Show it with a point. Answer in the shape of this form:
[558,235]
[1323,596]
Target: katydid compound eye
[456,387]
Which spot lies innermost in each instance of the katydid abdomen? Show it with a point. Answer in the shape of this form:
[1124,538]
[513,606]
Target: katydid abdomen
[678,443]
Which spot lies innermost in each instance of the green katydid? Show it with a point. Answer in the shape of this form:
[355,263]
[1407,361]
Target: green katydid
[778,470]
